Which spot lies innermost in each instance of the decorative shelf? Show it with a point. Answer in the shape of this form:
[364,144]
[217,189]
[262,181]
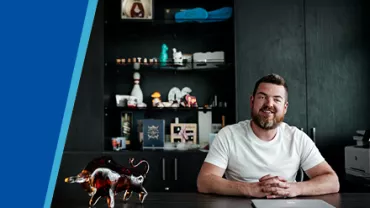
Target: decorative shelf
[164,109]
[157,29]
[201,67]
[161,21]
[198,150]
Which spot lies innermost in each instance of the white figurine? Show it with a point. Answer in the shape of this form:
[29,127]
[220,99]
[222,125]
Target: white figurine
[136,90]
[177,57]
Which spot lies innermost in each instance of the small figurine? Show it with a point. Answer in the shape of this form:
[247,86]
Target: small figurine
[163,57]
[136,90]
[187,99]
[177,57]
[118,61]
[191,101]
[132,102]
[103,177]
[156,99]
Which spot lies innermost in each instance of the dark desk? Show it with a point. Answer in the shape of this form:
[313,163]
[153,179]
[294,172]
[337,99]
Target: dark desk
[179,200]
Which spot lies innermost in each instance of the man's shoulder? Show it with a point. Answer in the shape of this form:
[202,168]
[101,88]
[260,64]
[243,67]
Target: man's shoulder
[291,132]
[233,130]
[236,127]
[287,127]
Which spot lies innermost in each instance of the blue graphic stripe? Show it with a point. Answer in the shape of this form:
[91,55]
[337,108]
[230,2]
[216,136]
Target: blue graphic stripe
[84,40]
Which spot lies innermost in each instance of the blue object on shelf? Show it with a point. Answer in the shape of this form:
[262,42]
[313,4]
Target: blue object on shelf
[218,15]
[202,16]
[190,15]
[163,57]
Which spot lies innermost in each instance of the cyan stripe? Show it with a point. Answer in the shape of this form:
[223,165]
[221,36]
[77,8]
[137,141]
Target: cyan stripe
[84,40]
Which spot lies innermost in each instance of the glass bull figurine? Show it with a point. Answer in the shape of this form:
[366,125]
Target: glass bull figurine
[103,177]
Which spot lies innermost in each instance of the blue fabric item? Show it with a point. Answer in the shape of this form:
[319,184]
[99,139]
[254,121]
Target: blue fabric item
[218,15]
[190,15]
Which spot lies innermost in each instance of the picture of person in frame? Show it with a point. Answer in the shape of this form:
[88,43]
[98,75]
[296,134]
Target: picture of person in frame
[137,9]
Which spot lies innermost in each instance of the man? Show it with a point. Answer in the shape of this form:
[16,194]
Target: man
[261,157]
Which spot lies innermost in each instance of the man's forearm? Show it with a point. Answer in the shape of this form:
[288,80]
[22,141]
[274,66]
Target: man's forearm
[324,184]
[217,185]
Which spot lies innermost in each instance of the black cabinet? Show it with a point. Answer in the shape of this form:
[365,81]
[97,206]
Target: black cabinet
[188,169]
[269,38]
[170,171]
[181,170]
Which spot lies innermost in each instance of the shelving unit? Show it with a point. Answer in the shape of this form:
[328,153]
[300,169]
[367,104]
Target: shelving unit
[127,39]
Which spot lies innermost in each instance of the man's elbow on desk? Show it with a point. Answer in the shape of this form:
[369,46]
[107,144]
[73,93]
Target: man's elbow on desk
[201,185]
[335,183]
[331,182]
[323,180]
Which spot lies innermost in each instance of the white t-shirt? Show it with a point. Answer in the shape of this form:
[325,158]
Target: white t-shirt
[247,158]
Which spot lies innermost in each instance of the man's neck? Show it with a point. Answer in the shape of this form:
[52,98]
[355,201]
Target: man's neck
[263,134]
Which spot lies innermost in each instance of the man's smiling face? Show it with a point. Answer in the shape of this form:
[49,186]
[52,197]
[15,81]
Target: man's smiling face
[269,105]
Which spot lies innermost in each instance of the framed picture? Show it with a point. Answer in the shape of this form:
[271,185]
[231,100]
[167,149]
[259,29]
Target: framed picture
[137,9]
[126,126]
[180,130]
[153,133]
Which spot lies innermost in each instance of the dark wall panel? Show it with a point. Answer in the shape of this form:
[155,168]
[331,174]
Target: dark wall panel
[338,74]
[270,39]
[322,49]
[86,127]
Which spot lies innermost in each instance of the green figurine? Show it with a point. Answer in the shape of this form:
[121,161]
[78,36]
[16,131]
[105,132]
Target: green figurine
[163,57]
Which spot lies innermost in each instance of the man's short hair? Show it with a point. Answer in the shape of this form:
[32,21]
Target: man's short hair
[272,79]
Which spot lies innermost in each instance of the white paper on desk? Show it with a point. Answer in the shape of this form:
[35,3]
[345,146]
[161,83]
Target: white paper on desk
[205,126]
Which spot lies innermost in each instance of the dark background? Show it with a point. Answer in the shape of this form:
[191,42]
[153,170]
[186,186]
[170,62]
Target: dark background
[321,48]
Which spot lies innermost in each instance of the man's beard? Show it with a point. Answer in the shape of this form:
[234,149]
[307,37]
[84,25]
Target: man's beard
[267,123]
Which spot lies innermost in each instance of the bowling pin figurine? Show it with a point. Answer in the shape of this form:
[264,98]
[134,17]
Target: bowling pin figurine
[136,90]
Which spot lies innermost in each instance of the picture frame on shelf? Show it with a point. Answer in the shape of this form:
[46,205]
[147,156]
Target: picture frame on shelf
[137,10]
[180,129]
[153,133]
[126,127]
[118,143]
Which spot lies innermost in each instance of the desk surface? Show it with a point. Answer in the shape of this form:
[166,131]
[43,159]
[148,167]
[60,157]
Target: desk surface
[179,200]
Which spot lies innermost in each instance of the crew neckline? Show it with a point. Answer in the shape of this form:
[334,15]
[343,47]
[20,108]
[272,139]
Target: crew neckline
[257,140]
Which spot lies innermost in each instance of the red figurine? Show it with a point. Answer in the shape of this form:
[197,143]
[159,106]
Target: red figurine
[191,101]
[103,177]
